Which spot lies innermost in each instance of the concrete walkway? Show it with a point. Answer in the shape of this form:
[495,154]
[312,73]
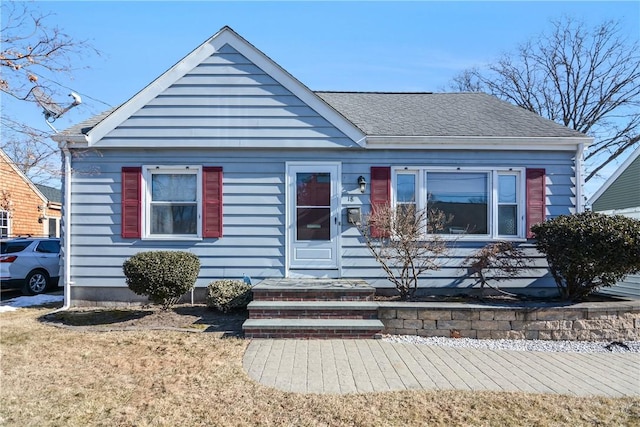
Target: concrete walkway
[359,366]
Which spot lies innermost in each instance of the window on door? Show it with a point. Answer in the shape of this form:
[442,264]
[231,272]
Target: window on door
[313,206]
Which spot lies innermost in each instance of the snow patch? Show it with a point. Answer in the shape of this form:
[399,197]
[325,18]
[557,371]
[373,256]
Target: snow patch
[15,303]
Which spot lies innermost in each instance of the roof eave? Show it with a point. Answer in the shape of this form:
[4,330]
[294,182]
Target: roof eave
[477,142]
[71,141]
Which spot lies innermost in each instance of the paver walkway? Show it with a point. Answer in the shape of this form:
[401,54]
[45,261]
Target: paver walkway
[357,366]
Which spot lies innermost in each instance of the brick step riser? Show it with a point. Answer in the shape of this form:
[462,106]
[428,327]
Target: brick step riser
[312,314]
[311,296]
[311,334]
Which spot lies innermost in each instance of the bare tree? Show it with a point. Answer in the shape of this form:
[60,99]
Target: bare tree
[405,244]
[34,54]
[585,78]
[30,151]
[6,203]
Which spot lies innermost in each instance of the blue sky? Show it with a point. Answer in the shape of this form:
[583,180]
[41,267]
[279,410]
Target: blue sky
[360,46]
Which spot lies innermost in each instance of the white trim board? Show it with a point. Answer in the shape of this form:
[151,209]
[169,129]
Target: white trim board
[476,143]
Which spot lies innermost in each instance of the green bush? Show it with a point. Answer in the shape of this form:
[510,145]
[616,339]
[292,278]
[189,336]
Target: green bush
[163,276]
[226,295]
[589,250]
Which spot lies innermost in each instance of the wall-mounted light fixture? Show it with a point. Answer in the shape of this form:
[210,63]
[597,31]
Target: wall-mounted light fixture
[362,183]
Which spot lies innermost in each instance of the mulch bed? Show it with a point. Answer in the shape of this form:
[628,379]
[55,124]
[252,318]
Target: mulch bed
[196,318]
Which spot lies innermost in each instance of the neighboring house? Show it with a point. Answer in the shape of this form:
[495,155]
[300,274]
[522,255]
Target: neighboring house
[230,157]
[620,195]
[26,209]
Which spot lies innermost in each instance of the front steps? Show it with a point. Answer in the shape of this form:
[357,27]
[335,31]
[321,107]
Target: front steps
[312,308]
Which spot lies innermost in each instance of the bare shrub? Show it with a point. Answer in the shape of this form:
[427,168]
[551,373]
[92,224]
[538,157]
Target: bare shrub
[496,262]
[404,241]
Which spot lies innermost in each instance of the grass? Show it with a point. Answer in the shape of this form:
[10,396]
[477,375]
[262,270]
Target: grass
[54,376]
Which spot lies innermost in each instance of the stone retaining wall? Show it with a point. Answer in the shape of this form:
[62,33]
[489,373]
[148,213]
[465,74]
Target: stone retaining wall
[608,321]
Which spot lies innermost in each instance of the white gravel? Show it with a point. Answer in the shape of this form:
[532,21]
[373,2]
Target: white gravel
[519,345]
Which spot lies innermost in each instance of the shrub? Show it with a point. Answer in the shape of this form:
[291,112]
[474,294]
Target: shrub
[226,295]
[163,276]
[589,250]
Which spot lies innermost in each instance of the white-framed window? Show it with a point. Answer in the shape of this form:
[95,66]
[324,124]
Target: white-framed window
[172,201]
[407,191]
[480,203]
[52,225]
[5,223]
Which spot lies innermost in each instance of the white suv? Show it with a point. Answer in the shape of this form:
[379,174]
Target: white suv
[32,264]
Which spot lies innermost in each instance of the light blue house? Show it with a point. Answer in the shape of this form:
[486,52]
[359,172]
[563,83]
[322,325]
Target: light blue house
[230,157]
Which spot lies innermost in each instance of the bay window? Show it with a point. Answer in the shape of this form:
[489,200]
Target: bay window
[477,202]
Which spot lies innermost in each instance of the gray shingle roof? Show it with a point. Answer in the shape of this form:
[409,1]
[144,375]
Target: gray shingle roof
[84,127]
[52,194]
[441,114]
[422,114]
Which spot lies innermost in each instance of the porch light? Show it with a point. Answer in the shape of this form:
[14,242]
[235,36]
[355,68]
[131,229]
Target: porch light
[362,183]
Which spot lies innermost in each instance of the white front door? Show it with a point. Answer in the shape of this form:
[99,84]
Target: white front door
[313,215]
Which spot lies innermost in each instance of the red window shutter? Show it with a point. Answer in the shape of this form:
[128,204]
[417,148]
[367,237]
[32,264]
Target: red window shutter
[380,193]
[131,202]
[212,201]
[536,196]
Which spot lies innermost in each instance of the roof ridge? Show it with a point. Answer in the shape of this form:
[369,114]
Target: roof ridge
[375,92]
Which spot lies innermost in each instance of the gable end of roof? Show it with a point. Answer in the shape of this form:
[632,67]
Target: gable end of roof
[96,128]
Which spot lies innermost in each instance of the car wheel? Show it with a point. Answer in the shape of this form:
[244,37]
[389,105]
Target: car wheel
[35,283]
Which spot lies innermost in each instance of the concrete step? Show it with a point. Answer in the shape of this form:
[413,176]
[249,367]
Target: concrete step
[313,309]
[312,328]
[313,290]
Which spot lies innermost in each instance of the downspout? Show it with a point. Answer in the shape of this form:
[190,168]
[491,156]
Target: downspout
[579,178]
[67,230]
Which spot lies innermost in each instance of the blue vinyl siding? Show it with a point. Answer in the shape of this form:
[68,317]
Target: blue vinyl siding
[254,211]
[227,101]
[628,287]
